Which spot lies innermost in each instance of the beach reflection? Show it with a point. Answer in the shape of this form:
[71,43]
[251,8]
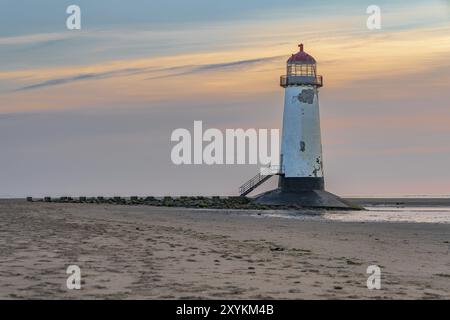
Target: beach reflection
[395,214]
[371,214]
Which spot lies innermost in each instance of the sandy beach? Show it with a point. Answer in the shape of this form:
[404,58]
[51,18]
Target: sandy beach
[142,252]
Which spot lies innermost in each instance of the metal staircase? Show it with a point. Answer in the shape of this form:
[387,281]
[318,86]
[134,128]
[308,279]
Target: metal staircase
[264,175]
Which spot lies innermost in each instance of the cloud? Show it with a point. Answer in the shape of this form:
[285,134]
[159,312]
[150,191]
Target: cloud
[219,66]
[179,71]
[34,39]
[235,64]
[55,82]
[84,76]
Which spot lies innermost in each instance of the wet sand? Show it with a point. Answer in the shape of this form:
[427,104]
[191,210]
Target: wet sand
[130,252]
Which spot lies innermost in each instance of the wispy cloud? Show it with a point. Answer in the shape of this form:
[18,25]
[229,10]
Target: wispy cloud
[170,72]
[35,38]
[235,64]
[80,77]
[188,70]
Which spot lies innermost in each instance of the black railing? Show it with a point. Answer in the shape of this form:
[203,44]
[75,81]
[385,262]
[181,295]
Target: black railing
[264,174]
[286,81]
[253,183]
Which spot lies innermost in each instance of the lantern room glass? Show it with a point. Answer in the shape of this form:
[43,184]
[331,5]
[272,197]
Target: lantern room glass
[301,69]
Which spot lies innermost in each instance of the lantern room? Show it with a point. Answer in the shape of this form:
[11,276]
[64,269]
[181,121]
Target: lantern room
[301,70]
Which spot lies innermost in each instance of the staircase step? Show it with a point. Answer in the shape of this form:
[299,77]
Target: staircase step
[253,183]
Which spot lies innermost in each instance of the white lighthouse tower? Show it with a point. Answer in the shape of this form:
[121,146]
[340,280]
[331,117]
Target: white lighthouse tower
[301,147]
[301,177]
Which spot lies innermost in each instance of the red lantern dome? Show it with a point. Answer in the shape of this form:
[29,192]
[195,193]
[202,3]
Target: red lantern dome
[301,57]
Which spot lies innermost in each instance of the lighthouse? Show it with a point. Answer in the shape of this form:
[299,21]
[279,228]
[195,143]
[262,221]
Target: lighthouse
[301,175]
[301,145]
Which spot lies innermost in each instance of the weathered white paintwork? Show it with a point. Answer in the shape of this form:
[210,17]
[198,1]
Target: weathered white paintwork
[301,146]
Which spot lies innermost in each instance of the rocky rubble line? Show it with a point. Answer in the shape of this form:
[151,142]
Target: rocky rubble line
[186,202]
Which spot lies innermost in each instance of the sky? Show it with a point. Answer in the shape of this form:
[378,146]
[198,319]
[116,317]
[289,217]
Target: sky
[90,112]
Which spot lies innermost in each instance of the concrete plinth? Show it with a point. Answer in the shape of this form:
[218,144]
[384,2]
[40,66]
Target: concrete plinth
[304,192]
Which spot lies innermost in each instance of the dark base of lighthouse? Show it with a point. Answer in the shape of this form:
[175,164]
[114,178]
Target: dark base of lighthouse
[303,192]
[301,184]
